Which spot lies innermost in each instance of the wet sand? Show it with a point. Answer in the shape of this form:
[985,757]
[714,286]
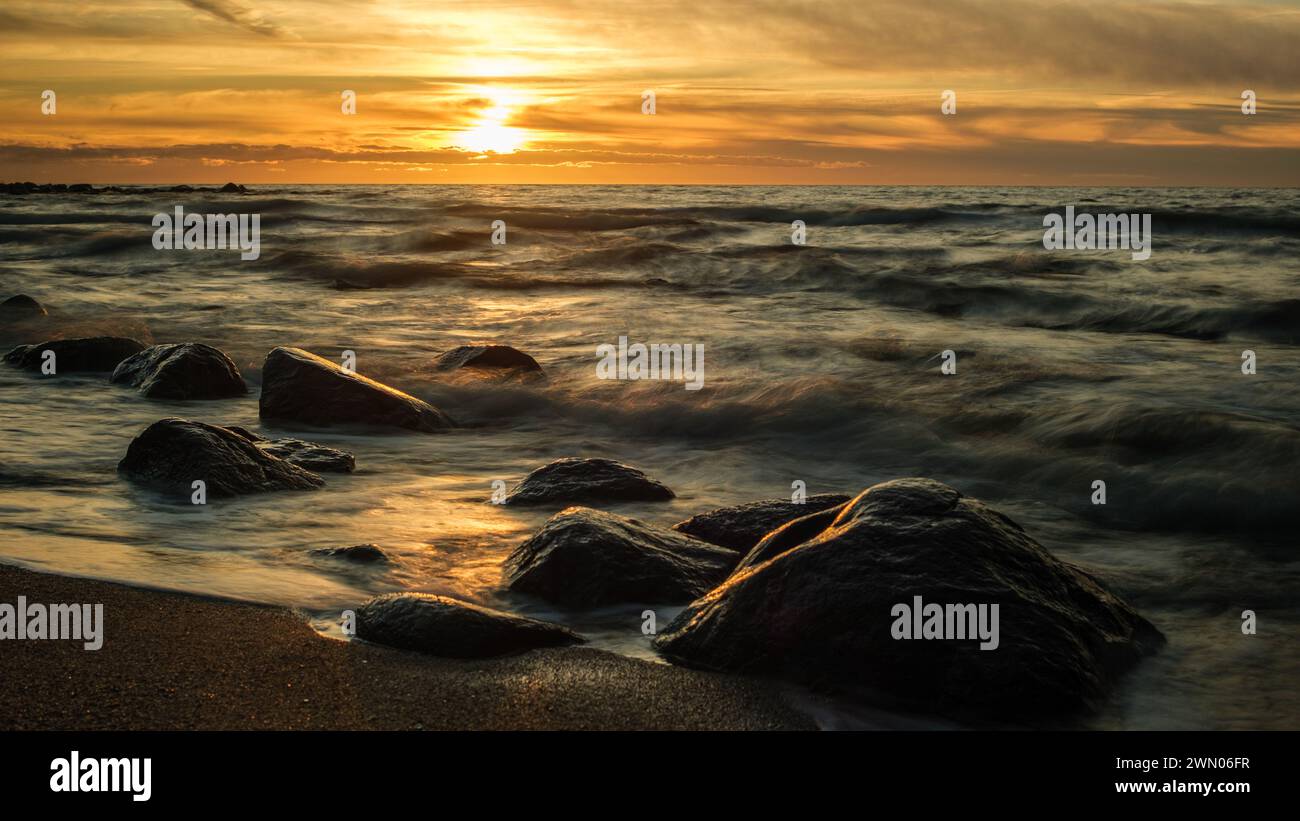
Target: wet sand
[173,661]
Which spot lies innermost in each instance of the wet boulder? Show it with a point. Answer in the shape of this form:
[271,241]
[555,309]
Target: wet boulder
[884,602]
[96,353]
[444,626]
[487,357]
[186,370]
[573,480]
[173,453]
[588,558]
[358,553]
[308,455]
[743,526]
[21,306]
[298,386]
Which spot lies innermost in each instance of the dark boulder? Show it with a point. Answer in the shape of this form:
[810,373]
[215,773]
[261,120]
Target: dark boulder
[298,386]
[172,453]
[187,370]
[444,626]
[359,553]
[791,534]
[97,353]
[743,526]
[21,306]
[308,455]
[587,558]
[501,357]
[233,188]
[826,611]
[571,480]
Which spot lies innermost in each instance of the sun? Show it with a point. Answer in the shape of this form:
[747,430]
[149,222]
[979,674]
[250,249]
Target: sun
[489,133]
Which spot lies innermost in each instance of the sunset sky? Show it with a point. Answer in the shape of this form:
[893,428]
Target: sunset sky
[550,91]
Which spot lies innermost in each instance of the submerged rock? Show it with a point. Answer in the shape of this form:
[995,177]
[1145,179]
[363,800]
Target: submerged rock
[587,558]
[97,353]
[298,386]
[743,526]
[572,480]
[359,553]
[187,370]
[497,357]
[826,611]
[444,626]
[309,455]
[173,453]
[21,306]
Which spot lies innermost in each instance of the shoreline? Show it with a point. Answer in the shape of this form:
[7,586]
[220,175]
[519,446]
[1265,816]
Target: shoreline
[179,661]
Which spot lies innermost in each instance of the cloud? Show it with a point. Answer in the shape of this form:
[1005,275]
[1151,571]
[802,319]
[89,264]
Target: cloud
[240,15]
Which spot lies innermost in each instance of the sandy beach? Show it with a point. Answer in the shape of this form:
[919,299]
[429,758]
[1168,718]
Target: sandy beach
[180,662]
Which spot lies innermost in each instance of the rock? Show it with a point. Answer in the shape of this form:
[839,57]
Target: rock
[791,534]
[81,187]
[587,558]
[446,627]
[307,455]
[571,480]
[232,188]
[298,386]
[188,370]
[743,526]
[360,553]
[172,453]
[21,306]
[98,353]
[501,357]
[822,611]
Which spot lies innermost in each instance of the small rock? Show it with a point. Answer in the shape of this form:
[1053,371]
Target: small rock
[444,626]
[173,453]
[98,353]
[572,480]
[501,357]
[587,558]
[743,526]
[298,386]
[188,370]
[232,188]
[21,306]
[308,455]
[360,553]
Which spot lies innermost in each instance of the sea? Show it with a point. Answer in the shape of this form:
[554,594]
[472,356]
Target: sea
[916,331]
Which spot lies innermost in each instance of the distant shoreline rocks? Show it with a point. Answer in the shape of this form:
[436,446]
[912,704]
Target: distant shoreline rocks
[22,188]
